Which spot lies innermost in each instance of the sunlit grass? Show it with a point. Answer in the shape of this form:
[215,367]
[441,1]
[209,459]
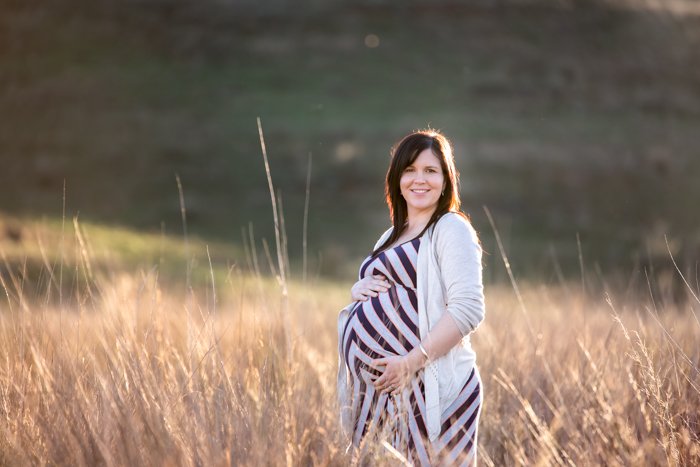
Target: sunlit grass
[118,369]
[111,249]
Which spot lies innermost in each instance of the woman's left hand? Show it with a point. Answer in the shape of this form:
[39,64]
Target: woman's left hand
[398,372]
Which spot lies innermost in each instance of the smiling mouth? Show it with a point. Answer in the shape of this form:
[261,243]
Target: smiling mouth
[420,191]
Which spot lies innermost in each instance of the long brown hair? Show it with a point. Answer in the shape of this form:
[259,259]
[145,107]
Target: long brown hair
[404,153]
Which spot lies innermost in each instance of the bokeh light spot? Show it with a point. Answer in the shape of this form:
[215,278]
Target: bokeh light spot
[371,41]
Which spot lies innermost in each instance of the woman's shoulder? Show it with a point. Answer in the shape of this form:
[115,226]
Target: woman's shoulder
[386,233]
[383,237]
[455,223]
[453,220]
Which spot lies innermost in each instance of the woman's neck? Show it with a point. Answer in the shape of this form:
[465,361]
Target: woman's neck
[418,220]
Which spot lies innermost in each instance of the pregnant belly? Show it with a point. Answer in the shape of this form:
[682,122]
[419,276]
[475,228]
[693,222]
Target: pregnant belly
[383,329]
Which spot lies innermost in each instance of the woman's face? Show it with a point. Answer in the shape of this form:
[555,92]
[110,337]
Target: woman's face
[422,182]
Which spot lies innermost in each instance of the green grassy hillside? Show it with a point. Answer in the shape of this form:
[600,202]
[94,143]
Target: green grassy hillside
[564,120]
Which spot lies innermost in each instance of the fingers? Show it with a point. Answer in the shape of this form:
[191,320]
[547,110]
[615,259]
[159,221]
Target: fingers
[358,295]
[378,286]
[388,382]
[373,290]
[383,385]
[370,291]
[397,389]
[380,382]
[390,388]
[372,286]
[381,280]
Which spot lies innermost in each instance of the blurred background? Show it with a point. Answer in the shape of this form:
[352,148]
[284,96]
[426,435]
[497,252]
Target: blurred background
[567,117]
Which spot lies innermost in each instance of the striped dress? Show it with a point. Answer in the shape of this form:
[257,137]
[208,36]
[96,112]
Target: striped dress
[387,325]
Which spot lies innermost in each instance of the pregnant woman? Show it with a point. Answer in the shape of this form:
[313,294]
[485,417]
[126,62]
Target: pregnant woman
[407,373]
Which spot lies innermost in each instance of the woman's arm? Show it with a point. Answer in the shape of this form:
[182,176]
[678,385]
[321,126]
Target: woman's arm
[399,370]
[459,258]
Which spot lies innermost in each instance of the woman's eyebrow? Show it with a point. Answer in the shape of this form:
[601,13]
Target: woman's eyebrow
[412,166]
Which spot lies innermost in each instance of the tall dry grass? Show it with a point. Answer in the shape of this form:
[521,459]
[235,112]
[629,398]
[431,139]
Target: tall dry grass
[101,371]
[101,366]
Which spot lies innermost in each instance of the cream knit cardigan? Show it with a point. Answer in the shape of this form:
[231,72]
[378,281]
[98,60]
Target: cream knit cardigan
[449,279]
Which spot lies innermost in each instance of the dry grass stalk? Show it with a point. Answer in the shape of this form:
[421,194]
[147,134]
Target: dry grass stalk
[107,393]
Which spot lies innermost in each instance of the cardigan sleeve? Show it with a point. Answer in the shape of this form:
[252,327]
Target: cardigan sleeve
[459,258]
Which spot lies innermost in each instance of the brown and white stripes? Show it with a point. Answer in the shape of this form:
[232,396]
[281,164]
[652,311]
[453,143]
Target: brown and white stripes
[387,325]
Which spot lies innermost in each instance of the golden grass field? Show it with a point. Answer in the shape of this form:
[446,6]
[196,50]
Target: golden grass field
[110,365]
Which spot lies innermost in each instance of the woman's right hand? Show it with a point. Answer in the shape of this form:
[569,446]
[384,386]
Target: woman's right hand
[369,287]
